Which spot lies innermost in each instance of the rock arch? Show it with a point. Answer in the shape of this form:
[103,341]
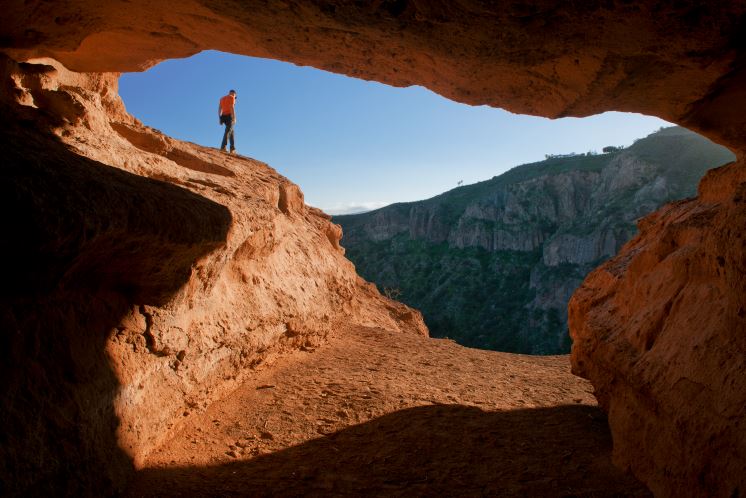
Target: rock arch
[660,329]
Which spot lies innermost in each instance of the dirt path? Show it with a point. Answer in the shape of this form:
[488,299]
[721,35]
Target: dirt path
[377,413]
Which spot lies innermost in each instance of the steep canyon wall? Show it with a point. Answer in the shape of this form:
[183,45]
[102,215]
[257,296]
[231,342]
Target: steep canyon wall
[494,264]
[100,268]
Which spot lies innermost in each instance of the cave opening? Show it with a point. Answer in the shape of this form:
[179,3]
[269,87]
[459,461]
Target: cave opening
[658,329]
[355,145]
[491,258]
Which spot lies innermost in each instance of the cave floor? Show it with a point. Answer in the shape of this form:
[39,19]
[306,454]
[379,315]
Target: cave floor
[373,412]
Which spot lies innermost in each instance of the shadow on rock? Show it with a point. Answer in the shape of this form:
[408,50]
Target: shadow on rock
[439,450]
[83,242]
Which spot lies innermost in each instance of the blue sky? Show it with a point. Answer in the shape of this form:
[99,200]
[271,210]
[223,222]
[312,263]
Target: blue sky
[354,144]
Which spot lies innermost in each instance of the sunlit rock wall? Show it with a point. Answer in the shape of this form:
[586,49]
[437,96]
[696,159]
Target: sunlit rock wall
[146,277]
[682,61]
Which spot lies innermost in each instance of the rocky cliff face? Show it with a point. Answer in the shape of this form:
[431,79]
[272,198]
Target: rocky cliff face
[560,218]
[682,61]
[147,277]
[691,419]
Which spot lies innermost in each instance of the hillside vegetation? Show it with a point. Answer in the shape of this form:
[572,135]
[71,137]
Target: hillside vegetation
[493,264]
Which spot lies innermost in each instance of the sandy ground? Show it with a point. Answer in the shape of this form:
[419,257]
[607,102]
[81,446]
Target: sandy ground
[377,413]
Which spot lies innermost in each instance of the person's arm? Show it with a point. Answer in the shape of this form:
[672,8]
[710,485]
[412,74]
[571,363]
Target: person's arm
[219,113]
[234,112]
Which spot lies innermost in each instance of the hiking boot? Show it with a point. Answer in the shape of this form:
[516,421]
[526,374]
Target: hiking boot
[233,151]
[222,149]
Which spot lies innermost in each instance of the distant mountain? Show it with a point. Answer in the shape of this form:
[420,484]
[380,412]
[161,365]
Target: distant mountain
[493,264]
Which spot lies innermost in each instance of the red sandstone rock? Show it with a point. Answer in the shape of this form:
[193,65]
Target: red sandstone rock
[672,296]
[378,413]
[661,332]
[148,276]
[677,60]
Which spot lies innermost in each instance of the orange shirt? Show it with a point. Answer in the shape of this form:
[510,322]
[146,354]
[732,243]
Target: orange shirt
[226,105]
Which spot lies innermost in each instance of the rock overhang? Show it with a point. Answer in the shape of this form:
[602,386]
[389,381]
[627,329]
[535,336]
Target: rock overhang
[681,61]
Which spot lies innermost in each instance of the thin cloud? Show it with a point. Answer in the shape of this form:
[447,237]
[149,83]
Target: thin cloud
[354,207]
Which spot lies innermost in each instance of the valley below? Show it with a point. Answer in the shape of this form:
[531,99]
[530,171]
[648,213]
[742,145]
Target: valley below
[493,265]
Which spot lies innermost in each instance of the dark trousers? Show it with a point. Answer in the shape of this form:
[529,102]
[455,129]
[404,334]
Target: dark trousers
[227,120]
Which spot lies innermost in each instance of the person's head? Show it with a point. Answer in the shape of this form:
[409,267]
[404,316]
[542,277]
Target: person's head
[232,92]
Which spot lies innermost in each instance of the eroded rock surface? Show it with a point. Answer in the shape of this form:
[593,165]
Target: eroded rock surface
[378,413]
[147,276]
[660,330]
[681,60]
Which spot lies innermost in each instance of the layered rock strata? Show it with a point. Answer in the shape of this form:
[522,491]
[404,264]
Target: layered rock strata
[681,60]
[495,262]
[146,277]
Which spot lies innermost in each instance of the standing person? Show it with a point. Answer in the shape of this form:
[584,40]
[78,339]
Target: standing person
[227,114]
